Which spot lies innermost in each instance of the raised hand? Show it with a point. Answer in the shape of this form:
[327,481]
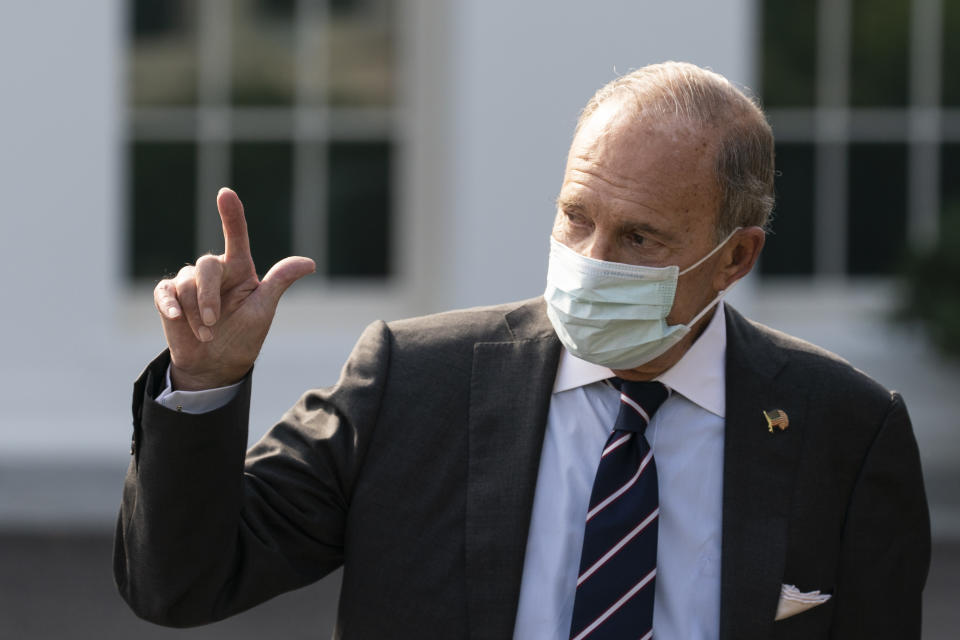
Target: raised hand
[216,313]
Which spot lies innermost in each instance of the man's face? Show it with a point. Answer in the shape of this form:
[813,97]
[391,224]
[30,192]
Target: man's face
[642,192]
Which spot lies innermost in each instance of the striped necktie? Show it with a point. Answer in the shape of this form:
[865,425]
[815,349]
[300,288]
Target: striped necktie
[618,562]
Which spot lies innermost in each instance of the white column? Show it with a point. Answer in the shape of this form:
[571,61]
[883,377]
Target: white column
[523,72]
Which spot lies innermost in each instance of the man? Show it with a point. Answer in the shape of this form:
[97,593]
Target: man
[454,469]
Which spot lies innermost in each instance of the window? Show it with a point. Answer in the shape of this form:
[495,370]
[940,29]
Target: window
[865,143]
[290,102]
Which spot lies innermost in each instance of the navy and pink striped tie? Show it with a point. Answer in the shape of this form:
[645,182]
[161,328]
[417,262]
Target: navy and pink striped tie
[618,563]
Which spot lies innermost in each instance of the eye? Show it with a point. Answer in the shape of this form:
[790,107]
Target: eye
[576,218]
[643,242]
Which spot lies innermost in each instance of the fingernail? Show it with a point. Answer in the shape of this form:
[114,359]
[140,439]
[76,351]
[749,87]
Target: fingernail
[173,312]
[208,318]
[205,334]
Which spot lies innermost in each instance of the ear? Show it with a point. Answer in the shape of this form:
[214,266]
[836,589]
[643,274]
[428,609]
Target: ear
[739,256]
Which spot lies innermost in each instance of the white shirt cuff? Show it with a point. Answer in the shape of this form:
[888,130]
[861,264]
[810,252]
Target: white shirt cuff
[196,401]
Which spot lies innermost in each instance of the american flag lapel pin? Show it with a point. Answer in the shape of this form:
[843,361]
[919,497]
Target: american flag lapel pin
[776,418]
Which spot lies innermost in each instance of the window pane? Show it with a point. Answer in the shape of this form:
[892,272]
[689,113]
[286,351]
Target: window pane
[789,58]
[361,53]
[262,177]
[264,52]
[880,46]
[163,60]
[789,248]
[951,54]
[950,177]
[358,218]
[161,205]
[877,222]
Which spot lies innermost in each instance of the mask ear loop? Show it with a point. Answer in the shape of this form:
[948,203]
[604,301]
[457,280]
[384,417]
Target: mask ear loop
[714,303]
[709,255]
[722,292]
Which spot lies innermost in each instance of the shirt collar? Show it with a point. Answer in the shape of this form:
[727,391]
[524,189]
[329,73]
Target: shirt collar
[698,375]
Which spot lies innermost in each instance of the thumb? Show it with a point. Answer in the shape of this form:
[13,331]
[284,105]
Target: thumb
[283,274]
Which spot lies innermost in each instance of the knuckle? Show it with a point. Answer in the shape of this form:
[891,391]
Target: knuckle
[186,290]
[162,289]
[206,261]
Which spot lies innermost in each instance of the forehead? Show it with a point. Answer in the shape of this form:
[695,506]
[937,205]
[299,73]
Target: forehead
[632,161]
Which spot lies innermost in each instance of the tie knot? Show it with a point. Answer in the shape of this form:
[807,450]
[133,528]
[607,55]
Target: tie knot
[638,402]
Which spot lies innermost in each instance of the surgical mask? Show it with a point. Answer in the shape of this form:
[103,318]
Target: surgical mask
[614,314]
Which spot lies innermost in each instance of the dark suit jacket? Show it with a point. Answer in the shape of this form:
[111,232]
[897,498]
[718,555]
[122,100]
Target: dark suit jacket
[417,470]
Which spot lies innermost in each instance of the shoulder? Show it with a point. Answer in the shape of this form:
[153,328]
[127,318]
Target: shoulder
[456,323]
[450,337]
[755,345]
[502,322]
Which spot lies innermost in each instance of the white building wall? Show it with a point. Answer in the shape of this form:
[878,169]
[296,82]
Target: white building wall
[504,82]
[523,72]
[490,90]
[61,117]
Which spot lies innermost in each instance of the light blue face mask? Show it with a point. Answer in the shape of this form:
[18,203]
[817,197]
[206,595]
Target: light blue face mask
[614,314]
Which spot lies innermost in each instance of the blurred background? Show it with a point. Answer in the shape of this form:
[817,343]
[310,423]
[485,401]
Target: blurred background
[414,148]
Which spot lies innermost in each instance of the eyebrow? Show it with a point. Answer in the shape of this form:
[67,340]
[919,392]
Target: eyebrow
[566,202]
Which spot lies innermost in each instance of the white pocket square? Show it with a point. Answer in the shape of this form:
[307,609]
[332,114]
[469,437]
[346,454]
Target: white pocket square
[794,601]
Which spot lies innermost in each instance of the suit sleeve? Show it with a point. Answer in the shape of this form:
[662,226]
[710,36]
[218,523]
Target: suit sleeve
[886,544]
[205,530]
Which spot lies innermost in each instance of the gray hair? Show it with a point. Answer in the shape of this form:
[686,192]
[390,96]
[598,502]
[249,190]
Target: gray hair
[744,162]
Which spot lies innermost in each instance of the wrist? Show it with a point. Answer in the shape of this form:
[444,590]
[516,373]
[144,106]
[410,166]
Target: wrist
[181,380]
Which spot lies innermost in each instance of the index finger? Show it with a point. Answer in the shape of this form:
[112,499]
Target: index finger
[235,238]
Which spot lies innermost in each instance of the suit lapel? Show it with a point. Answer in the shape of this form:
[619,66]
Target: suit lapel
[509,400]
[758,480]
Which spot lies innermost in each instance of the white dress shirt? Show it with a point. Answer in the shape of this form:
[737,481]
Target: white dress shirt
[686,435]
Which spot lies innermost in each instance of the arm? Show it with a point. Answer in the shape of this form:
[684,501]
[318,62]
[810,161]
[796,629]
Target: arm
[204,533]
[193,532]
[886,543]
